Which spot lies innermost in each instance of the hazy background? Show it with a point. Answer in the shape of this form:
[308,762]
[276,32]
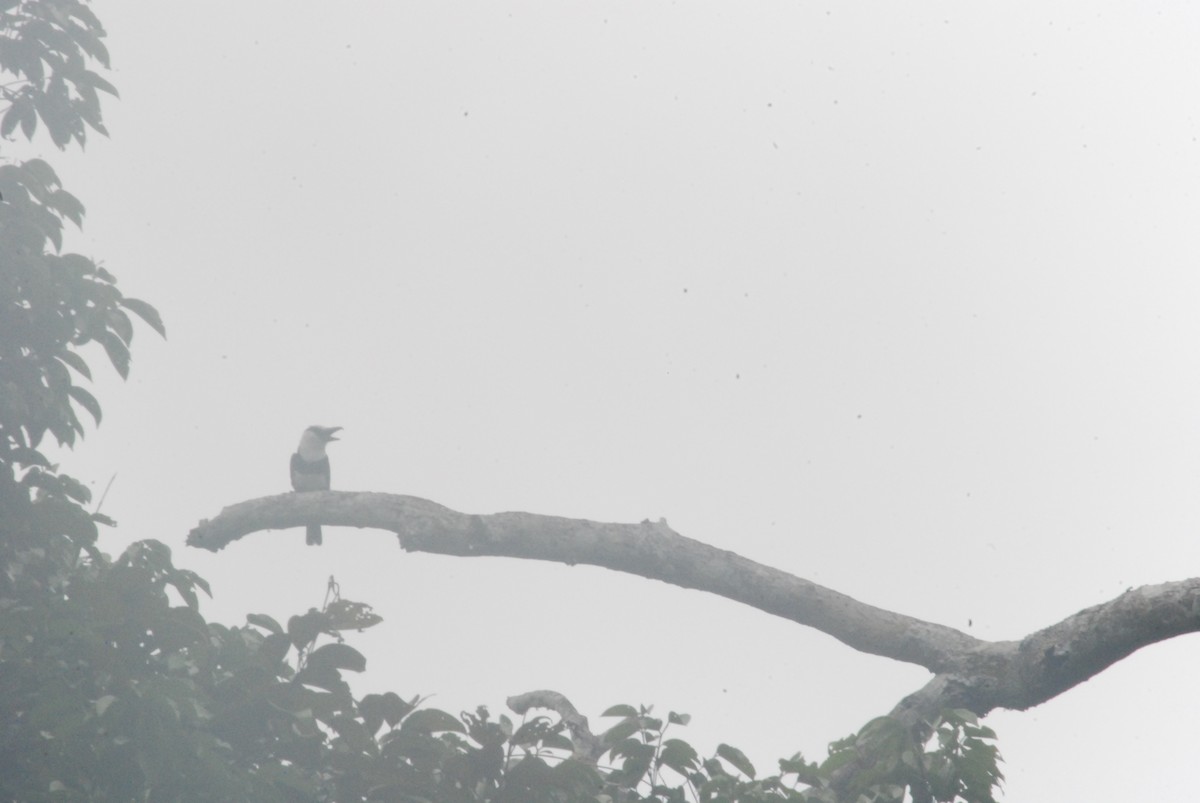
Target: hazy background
[898,298]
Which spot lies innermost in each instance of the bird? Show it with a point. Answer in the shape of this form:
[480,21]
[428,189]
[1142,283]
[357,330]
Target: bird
[310,469]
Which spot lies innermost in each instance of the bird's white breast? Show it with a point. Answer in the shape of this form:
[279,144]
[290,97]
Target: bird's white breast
[311,448]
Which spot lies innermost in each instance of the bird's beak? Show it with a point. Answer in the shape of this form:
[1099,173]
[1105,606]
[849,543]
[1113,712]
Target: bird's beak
[330,434]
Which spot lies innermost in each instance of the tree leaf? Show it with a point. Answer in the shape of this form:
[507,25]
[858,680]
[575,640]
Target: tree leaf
[42,173]
[67,205]
[23,455]
[117,321]
[101,84]
[323,676]
[303,629]
[264,621]
[679,756]
[344,614]
[354,735]
[28,117]
[118,352]
[737,758]
[338,656]
[432,720]
[146,312]
[75,361]
[273,649]
[622,730]
[74,489]
[9,123]
[86,400]
[388,706]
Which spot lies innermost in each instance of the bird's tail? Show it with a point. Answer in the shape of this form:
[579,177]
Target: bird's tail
[312,535]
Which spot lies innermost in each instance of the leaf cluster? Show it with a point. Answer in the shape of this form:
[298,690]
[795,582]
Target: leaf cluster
[53,305]
[113,686]
[959,764]
[891,763]
[47,46]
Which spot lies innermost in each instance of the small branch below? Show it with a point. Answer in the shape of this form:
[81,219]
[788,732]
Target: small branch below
[587,745]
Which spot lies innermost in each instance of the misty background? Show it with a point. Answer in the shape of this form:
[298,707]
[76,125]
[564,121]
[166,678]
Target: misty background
[899,299]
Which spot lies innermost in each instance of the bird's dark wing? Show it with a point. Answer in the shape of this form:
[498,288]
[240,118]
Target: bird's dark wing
[310,476]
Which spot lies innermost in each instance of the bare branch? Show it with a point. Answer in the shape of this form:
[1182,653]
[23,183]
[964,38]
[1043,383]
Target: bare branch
[647,549]
[969,673]
[587,745]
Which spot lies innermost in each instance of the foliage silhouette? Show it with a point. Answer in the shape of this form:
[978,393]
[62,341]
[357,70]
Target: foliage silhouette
[113,686]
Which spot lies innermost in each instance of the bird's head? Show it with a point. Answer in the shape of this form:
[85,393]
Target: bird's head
[324,434]
[312,442]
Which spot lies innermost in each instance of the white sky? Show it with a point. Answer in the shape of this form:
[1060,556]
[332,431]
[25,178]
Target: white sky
[900,298]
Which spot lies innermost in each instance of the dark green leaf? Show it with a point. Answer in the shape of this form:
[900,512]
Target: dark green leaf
[621,731]
[67,205]
[577,779]
[40,171]
[737,758]
[67,519]
[679,719]
[146,312]
[353,734]
[186,583]
[338,656]
[86,400]
[264,621]
[323,676]
[25,456]
[119,323]
[10,120]
[557,741]
[273,649]
[28,116]
[74,489]
[679,756]
[304,629]
[102,85]
[118,352]
[380,708]
[75,361]
[432,720]
[344,614]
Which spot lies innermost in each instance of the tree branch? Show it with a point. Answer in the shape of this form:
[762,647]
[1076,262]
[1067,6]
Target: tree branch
[647,549]
[968,672]
[588,746]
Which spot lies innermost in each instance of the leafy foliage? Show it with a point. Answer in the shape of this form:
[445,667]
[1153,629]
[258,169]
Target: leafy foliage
[47,45]
[52,304]
[959,763]
[113,686]
[111,691]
